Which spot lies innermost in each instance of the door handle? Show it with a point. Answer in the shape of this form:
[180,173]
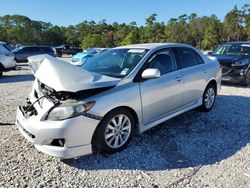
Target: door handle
[178,78]
[205,70]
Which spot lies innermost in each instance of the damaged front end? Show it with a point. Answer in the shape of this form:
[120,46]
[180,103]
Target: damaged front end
[60,85]
[235,73]
[56,117]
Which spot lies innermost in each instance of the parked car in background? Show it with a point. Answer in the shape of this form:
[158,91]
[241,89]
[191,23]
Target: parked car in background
[234,58]
[67,50]
[82,57]
[118,93]
[5,45]
[22,53]
[7,59]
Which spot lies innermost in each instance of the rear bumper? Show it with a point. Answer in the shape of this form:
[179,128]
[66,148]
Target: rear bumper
[77,133]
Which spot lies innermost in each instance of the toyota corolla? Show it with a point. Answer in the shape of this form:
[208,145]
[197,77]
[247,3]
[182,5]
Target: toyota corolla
[73,111]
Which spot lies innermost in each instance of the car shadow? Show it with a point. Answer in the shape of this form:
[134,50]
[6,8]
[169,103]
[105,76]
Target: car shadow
[189,140]
[16,78]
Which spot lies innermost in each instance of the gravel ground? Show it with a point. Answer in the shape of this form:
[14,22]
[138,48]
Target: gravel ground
[192,150]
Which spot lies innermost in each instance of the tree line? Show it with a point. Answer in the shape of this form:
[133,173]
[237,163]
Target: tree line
[205,32]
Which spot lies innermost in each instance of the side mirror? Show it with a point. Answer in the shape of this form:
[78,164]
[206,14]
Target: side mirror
[151,73]
[210,53]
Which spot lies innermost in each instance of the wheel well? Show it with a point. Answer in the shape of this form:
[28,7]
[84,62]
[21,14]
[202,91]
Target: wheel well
[214,83]
[120,107]
[132,112]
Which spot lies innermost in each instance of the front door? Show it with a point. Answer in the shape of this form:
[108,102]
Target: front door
[161,96]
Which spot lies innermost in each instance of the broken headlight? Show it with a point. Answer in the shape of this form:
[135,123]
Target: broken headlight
[69,109]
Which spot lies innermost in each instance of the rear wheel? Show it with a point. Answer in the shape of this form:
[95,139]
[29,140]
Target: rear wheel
[115,131]
[208,98]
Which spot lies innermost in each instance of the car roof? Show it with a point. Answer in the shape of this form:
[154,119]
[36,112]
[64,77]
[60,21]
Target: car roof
[150,46]
[239,42]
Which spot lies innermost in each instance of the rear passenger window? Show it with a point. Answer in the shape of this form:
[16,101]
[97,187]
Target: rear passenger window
[188,57]
[163,60]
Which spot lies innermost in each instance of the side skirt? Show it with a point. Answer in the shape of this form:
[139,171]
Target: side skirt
[170,115]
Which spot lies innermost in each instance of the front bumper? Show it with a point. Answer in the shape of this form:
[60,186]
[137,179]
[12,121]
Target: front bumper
[236,74]
[234,78]
[77,133]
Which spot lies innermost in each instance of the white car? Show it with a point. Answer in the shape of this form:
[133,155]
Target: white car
[7,59]
[100,106]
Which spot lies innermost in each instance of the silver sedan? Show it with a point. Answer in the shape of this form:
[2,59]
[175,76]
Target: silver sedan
[73,111]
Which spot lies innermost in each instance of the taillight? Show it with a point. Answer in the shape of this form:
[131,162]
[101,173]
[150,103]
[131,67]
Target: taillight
[9,55]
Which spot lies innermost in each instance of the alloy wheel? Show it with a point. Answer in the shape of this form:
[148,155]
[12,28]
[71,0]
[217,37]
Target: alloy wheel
[118,131]
[209,97]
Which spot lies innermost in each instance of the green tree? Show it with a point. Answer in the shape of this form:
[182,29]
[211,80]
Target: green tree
[71,36]
[153,31]
[92,40]
[177,30]
[233,27]
[246,20]
[131,38]
[212,34]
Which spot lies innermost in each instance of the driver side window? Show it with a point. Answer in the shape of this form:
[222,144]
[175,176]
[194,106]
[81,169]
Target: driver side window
[163,60]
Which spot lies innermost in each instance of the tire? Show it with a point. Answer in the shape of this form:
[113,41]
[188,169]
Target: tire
[246,82]
[109,138]
[208,98]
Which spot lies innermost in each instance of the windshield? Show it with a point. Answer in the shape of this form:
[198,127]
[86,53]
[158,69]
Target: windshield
[116,63]
[233,49]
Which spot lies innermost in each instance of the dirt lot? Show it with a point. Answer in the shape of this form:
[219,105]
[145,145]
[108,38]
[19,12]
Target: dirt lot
[192,150]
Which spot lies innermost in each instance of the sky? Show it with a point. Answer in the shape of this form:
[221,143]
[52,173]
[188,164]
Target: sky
[71,12]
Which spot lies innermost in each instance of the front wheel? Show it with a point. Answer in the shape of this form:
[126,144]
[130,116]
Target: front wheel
[115,131]
[208,98]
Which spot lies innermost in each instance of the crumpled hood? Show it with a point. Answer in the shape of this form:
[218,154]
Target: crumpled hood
[62,76]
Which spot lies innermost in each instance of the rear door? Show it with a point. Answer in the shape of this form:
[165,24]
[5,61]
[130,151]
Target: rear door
[194,73]
[161,96]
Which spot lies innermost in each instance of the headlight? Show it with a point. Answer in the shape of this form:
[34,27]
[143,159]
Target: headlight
[69,109]
[241,62]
